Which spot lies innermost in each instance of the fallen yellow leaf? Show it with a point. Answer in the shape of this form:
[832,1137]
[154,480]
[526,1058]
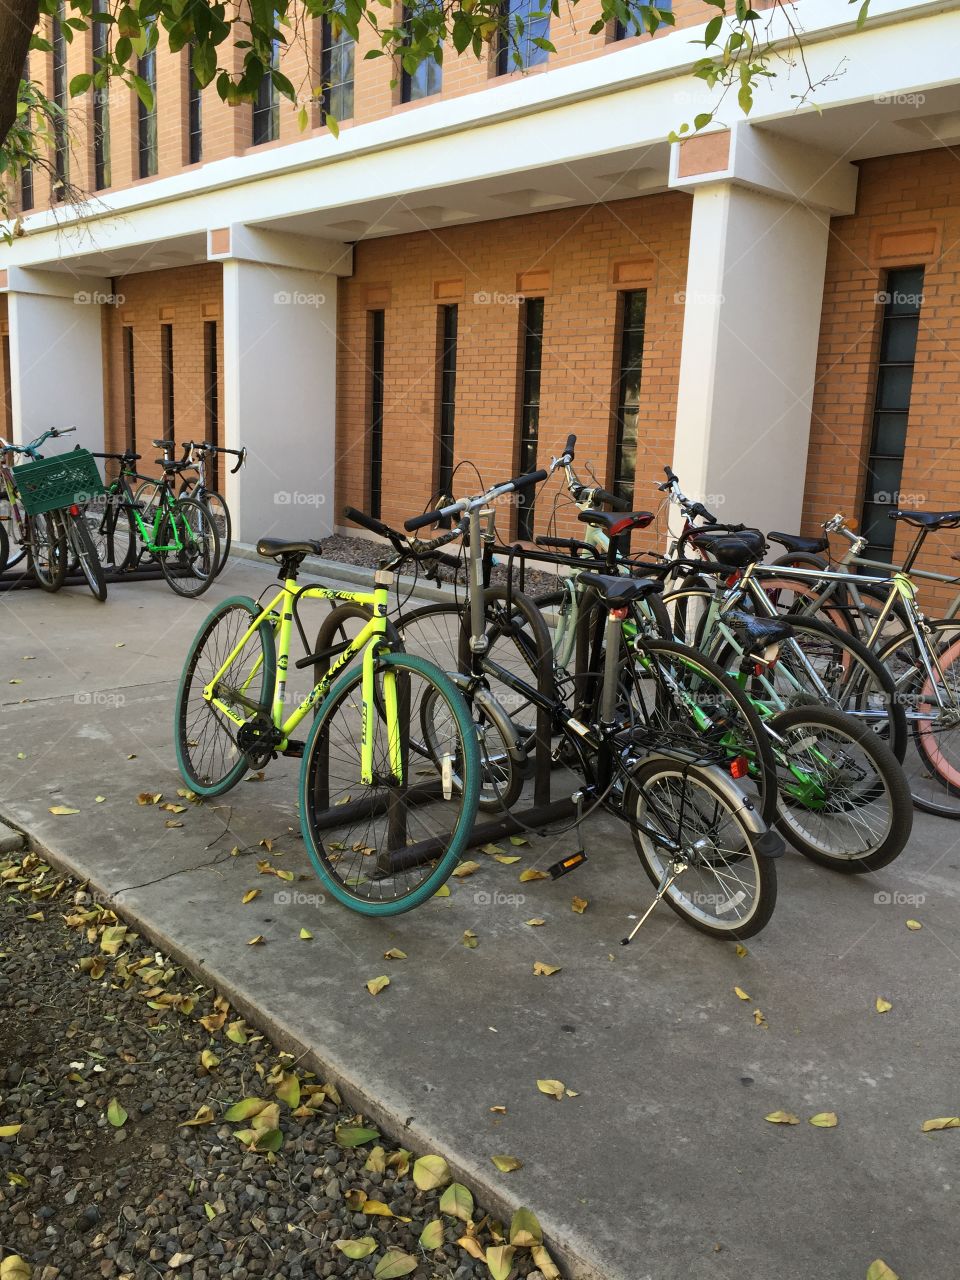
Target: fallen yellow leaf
[781,1117]
[579,905]
[250,895]
[507,1164]
[554,1088]
[883,1006]
[825,1120]
[542,970]
[532,873]
[943,1122]
[914,925]
[740,993]
[376,985]
[61,810]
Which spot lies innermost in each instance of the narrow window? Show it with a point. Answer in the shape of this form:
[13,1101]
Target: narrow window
[7,388]
[532,335]
[336,71]
[211,392]
[129,389]
[634,26]
[194,114]
[60,142]
[266,108]
[427,79]
[147,119]
[527,21]
[632,321]
[101,109]
[448,399]
[376,411]
[166,388]
[898,351]
[26,173]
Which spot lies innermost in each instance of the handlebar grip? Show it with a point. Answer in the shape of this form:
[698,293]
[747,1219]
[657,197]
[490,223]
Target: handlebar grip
[570,445]
[368,522]
[670,474]
[611,500]
[241,459]
[64,431]
[532,477]
[698,509]
[418,522]
[565,544]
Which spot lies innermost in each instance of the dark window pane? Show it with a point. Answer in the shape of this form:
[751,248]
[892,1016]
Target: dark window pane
[633,307]
[532,334]
[899,340]
[376,411]
[336,70]
[890,434]
[534,17]
[893,386]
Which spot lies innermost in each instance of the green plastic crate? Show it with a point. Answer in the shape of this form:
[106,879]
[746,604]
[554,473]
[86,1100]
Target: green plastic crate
[58,482]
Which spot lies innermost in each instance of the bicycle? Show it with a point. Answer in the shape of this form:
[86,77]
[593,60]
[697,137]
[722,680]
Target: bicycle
[41,486]
[38,538]
[195,456]
[366,783]
[181,534]
[702,843]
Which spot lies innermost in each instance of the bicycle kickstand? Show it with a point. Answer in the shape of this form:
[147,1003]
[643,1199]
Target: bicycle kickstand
[666,880]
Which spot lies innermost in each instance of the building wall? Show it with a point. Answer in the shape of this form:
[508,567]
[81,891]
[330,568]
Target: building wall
[908,213]
[185,297]
[578,260]
[6,426]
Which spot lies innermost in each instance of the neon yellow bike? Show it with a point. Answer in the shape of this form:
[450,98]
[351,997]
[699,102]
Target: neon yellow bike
[390,772]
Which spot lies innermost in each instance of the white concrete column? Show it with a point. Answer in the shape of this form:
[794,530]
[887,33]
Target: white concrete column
[754,291]
[56,354]
[280,378]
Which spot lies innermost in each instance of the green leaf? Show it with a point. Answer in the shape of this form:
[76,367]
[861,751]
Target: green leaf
[500,1261]
[713,30]
[457,1201]
[80,84]
[116,1114]
[878,1270]
[128,24]
[525,1230]
[361,1248]
[288,1091]
[431,1237]
[351,1135]
[863,13]
[394,1263]
[245,1108]
[143,92]
[269,1140]
[430,1172]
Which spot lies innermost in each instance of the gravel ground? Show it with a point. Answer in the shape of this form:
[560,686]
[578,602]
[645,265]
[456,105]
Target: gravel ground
[120,1155]
[366,553]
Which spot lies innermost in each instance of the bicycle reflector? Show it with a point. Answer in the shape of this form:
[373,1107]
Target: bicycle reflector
[739,767]
[74,509]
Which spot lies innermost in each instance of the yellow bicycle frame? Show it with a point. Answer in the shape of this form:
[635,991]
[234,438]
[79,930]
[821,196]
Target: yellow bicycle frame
[279,613]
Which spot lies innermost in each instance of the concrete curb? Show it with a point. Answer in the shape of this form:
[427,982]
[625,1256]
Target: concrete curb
[565,1250]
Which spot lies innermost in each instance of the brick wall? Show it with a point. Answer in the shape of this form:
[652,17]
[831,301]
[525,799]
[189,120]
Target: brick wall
[577,260]
[917,199]
[228,130]
[185,297]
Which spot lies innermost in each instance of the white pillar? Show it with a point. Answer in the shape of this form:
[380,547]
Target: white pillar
[754,291]
[56,355]
[748,361]
[279,369]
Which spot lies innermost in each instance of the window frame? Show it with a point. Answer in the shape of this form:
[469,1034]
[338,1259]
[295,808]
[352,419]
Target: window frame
[629,347]
[167,390]
[528,407]
[100,48]
[531,55]
[329,44]
[148,141]
[377,325]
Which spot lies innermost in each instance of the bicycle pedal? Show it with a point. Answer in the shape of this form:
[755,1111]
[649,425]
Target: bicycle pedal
[566,865]
[294,748]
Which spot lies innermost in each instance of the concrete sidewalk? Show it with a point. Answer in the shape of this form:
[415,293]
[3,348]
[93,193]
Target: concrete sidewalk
[663,1166]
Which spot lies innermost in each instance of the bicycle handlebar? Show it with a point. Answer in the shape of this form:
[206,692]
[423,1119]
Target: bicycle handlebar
[468,504]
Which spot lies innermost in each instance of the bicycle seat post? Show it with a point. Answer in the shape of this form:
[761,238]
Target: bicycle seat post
[478,635]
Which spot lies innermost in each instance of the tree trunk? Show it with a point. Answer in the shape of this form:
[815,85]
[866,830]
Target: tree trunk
[18,21]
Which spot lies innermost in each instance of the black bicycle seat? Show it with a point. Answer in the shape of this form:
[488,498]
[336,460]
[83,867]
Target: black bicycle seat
[736,550]
[794,542]
[927,519]
[618,591]
[276,547]
[613,523]
[759,631]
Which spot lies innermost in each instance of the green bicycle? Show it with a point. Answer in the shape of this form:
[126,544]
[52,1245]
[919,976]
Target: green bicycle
[391,759]
[179,533]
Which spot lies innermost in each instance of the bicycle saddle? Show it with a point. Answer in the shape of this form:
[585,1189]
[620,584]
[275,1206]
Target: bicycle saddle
[735,550]
[794,542]
[927,519]
[616,591]
[616,522]
[276,547]
[759,631]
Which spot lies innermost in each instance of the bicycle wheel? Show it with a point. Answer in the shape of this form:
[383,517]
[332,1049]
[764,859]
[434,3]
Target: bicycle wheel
[361,836]
[112,531]
[78,536]
[932,707]
[844,800]
[216,504]
[688,700]
[504,721]
[147,495]
[206,742]
[727,889]
[4,549]
[190,568]
[47,549]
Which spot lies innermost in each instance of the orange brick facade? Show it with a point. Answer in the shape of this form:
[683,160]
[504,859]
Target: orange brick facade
[916,198]
[186,298]
[578,261]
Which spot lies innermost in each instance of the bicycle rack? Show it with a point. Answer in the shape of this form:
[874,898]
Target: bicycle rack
[24,581]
